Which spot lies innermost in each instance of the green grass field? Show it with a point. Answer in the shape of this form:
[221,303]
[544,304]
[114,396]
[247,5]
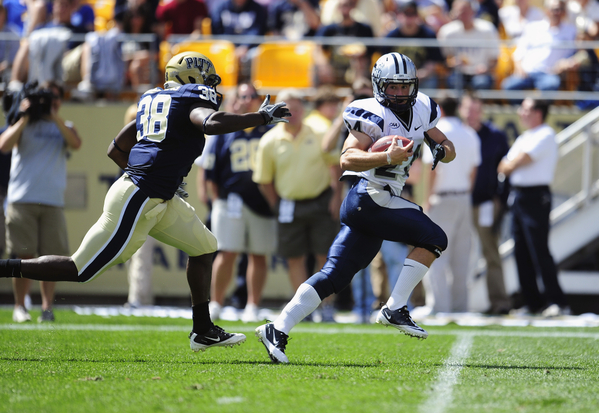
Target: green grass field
[126,364]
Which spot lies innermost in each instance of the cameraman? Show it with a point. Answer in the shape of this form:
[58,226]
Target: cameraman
[35,222]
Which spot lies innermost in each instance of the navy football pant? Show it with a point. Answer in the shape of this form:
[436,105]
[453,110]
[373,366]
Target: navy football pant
[369,215]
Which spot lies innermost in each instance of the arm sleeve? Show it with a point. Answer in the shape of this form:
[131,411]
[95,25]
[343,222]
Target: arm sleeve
[362,120]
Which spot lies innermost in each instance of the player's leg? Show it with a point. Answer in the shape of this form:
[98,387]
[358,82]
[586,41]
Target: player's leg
[395,312]
[123,227]
[374,210]
[351,251]
[429,240]
[181,228]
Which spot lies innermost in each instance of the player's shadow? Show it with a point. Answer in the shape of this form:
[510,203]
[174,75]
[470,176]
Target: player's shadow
[183,362]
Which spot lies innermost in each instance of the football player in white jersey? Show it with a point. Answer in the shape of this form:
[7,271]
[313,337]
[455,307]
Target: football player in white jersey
[373,209]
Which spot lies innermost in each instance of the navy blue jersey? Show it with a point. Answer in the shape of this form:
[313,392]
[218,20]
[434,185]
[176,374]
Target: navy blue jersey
[230,163]
[167,141]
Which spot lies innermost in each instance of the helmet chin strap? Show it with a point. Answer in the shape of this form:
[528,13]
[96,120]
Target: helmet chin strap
[171,84]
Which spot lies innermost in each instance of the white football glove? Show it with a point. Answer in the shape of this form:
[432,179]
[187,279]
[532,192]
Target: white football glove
[182,192]
[273,113]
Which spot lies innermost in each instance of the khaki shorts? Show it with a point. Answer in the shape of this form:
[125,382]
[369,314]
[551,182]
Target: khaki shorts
[312,230]
[34,229]
[71,65]
[249,233]
[128,217]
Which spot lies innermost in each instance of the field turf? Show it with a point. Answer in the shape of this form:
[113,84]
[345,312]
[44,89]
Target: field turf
[125,364]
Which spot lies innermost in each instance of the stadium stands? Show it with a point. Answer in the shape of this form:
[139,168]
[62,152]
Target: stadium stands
[280,65]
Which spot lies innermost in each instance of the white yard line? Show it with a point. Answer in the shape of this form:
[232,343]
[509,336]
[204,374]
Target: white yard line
[441,395]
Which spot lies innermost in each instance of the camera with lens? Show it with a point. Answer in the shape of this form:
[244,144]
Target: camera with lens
[40,100]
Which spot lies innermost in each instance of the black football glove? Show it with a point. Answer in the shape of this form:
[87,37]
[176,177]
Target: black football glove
[273,113]
[437,150]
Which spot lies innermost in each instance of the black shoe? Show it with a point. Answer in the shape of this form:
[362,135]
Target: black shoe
[497,311]
[46,317]
[215,337]
[274,341]
[401,320]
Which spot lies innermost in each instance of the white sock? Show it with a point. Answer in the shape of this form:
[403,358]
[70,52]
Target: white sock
[412,273]
[304,302]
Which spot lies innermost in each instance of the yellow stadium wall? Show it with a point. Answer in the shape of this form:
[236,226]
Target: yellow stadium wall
[90,173]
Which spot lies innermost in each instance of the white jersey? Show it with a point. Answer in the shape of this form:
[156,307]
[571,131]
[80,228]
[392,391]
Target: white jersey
[375,120]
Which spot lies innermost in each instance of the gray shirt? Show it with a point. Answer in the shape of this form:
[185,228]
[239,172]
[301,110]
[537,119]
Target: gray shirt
[38,172]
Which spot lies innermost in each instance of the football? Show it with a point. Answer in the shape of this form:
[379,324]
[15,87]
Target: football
[382,144]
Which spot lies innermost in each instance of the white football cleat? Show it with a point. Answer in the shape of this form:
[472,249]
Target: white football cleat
[401,320]
[274,341]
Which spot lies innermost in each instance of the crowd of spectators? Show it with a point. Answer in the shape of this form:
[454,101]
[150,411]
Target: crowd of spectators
[529,39]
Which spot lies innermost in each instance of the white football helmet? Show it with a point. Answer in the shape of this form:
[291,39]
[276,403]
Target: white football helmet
[190,67]
[394,68]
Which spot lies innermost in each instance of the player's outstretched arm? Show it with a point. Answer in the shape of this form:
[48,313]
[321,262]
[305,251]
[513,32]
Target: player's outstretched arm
[119,148]
[217,123]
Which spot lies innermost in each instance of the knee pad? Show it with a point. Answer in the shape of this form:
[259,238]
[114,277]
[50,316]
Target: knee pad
[434,249]
[438,245]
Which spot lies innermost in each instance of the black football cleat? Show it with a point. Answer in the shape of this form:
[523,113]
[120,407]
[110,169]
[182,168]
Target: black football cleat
[401,320]
[274,341]
[215,337]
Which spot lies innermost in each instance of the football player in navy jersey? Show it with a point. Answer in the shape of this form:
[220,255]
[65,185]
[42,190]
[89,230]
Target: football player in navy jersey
[373,209]
[156,152]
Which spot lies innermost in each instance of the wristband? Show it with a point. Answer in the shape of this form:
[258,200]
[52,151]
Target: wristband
[388,158]
[267,118]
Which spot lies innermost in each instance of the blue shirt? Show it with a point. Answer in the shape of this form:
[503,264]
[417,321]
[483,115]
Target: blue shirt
[167,141]
[15,12]
[493,147]
[230,165]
